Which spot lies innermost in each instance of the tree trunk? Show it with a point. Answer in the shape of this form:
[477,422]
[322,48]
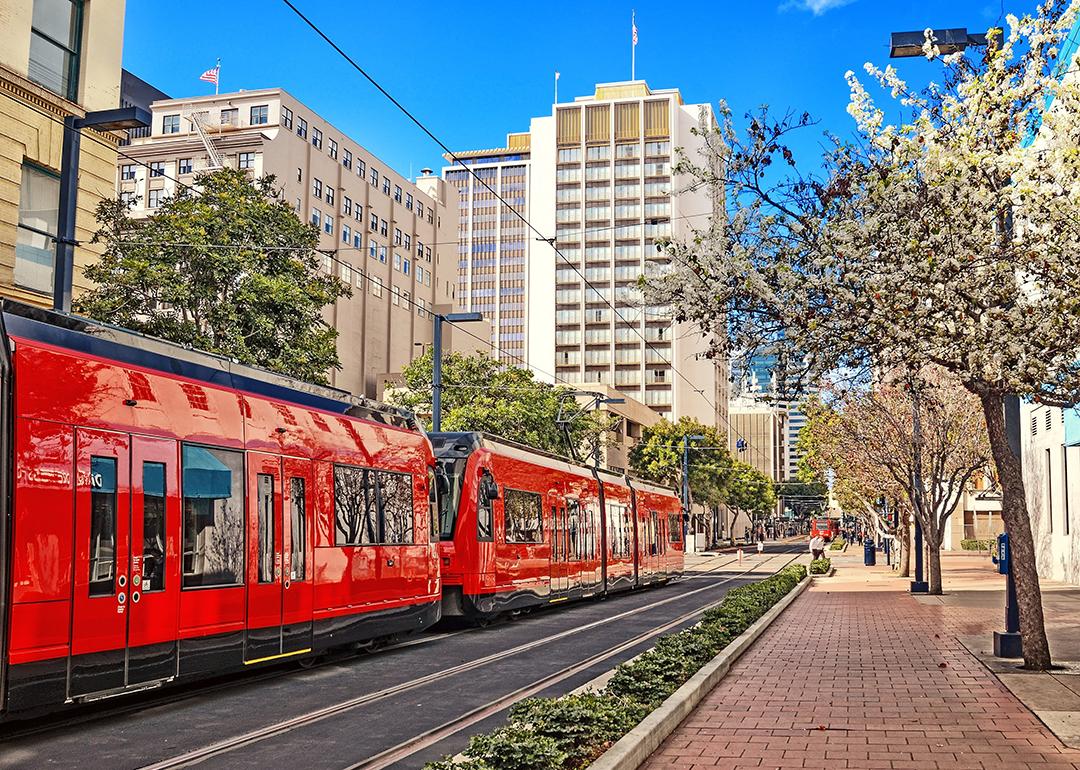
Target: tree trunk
[905,550]
[1014,514]
[935,567]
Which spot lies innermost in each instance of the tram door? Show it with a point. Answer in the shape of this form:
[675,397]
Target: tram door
[558,550]
[125,601]
[278,577]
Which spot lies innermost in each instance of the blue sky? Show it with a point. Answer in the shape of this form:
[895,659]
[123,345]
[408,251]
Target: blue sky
[474,71]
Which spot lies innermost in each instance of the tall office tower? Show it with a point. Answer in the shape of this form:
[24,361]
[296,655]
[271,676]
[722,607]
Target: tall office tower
[390,239]
[603,186]
[494,241]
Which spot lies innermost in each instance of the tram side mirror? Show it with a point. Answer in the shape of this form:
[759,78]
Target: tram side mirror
[488,488]
[442,482]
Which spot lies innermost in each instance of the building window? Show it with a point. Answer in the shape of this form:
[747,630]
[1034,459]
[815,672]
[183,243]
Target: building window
[397,261]
[419,274]
[405,266]
[128,198]
[213,547]
[408,242]
[372,246]
[374,177]
[286,117]
[382,227]
[430,218]
[419,209]
[361,168]
[397,193]
[260,115]
[55,43]
[346,158]
[155,198]
[346,204]
[331,148]
[397,236]
[170,124]
[127,172]
[427,253]
[408,201]
[301,128]
[374,223]
[386,185]
[382,254]
[316,188]
[330,195]
[328,225]
[157,168]
[316,138]
[316,217]
[183,165]
[376,287]
[395,295]
[39,198]
[230,117]
[357,240]
[346,234]
[419,250]
[246,160]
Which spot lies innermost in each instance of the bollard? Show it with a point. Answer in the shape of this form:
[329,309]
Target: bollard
[740,556]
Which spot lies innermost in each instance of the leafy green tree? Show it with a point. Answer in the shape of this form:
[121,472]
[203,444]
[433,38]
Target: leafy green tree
[481,394]
[659,455]
[226,267]
[750,491]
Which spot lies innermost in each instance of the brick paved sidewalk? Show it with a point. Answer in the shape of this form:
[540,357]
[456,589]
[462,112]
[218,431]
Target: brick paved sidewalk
[814,692]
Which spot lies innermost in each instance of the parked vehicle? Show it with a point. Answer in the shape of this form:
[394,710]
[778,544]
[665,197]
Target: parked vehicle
[826,528]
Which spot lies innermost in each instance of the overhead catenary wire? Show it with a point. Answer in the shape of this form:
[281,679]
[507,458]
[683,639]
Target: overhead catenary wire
[529,225]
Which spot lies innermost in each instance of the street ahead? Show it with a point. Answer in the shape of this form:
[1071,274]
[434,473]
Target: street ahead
[399,707]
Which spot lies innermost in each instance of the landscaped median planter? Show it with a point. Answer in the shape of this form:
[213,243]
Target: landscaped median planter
[645,699]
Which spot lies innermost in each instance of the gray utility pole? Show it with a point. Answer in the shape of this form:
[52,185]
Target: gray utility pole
[686,481]
[102,120]
[436,364]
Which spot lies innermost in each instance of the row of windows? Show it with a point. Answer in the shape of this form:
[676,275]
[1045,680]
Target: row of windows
[372,507]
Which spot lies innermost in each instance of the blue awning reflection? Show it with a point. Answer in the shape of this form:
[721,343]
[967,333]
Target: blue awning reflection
[205,476]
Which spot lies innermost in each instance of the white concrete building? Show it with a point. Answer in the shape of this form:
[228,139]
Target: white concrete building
[1050,442]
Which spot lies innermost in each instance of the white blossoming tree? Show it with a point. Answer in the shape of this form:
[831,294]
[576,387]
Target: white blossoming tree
[952,238]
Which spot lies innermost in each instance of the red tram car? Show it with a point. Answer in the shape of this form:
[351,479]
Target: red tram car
[521,528]
[169,515]
[826,528]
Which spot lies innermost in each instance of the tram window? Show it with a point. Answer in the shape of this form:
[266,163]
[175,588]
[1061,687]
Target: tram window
[153,554]
[675,528]
[372,507]
[298,528]
[485,508]
[573,510]
[396,497]
[523,517]
[102,525]
[265,487]
[213,488]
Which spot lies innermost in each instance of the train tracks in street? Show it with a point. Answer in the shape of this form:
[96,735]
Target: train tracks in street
[403,706]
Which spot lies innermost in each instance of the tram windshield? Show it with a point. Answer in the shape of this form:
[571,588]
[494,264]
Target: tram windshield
[452,452]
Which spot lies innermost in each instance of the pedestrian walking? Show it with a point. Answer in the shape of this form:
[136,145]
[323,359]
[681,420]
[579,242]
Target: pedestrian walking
[817,546]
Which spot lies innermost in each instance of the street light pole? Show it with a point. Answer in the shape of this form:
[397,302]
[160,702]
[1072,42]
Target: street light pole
[436,364]
[686,439]
[102,120]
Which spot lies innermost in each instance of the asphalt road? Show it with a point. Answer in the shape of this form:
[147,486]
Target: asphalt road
[375,710]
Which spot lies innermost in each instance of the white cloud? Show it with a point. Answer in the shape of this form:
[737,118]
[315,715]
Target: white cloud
[816,7]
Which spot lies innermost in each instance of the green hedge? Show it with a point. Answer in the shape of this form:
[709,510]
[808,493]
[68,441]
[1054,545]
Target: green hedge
[977,545]
[837,544]
[570,732]
[820,566]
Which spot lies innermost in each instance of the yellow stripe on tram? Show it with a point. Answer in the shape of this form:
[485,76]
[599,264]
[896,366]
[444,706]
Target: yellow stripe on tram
[275,657]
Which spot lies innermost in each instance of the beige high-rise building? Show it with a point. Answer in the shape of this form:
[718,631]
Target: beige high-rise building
[57,58]
[392,239]
[595,175]
[759,435]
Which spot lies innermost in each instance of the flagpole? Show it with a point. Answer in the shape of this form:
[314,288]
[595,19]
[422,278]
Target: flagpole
[633,44]
[556,87]
[217,80]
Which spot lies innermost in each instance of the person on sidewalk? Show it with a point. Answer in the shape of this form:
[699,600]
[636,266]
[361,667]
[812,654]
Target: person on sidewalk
[817,547]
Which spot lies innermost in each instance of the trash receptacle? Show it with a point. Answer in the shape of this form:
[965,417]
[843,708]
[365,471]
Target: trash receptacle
[869,554]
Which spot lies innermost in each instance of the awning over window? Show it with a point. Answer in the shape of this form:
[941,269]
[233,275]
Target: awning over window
[153,479]
[103,475]
[205,476]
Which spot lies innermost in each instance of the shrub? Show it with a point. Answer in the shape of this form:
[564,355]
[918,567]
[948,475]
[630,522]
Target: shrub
[977,545]
[837,544]
[820,566]
[570,732]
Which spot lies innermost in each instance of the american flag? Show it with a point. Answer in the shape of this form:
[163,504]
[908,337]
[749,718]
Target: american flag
[211,75]
[633,28]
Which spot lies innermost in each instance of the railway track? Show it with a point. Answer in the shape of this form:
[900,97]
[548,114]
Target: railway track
[430,737]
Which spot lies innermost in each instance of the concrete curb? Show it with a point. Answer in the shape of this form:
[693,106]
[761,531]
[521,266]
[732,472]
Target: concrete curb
[630,751]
